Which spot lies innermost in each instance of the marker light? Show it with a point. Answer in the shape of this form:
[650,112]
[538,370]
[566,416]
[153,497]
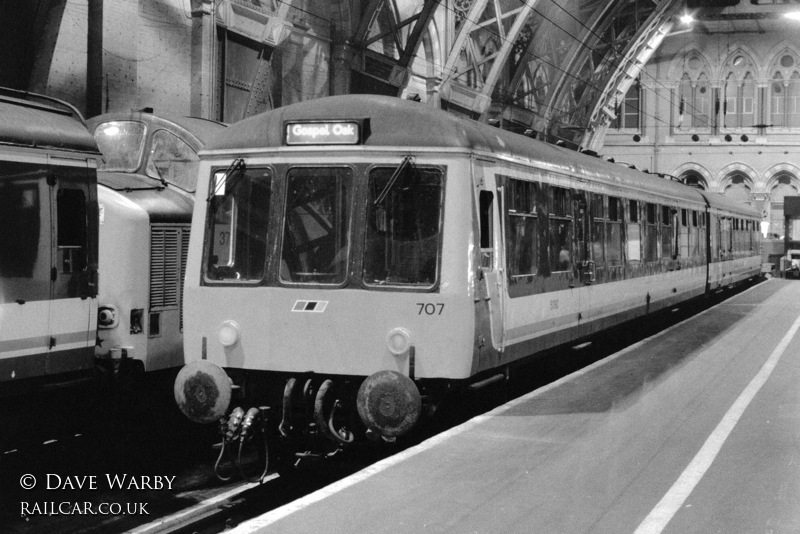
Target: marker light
[228,334]
[398,341]
[687,19]
[794,15]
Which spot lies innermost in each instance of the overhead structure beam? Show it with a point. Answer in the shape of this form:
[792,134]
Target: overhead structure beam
[600,56]
[547,69]
[487,35]
[385,42]
[588,58]
[639,52]
[269,25]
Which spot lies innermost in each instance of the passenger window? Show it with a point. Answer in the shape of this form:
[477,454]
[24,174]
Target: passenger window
[667,232]
[560,230]
[598,215]
[614,232]
[71,208]
[684,235]
[634,232]
[486,201]
[651,233]
[24,233]
[522,243]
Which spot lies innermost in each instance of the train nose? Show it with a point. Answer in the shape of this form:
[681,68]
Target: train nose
[389,403]
[203,391]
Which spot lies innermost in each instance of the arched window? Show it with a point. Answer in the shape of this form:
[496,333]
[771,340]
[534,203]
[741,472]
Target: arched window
[793,101]
[784,91]
[747,109]
[777,100]
[730,117]
[684,114]
[738,99]
[738,188]
[694,94]
[695,104]
[694,179]
[701,104]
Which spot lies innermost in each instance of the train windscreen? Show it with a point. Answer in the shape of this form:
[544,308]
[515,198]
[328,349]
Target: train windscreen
[403,225]
[121,143]
[398,246]
[238,215]
[316,235]
[172,160]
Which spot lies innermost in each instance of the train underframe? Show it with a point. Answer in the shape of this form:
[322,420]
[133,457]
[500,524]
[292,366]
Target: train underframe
[308,417]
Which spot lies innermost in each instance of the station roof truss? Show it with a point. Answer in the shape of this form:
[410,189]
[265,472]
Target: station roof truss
[548,68]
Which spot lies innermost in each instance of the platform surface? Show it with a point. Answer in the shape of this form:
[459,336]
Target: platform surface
[696,430]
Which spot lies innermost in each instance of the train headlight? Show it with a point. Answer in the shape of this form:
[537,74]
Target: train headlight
[107,317]
[398,341]
[228,334]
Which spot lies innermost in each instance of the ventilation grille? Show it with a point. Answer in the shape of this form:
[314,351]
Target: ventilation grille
[168,248]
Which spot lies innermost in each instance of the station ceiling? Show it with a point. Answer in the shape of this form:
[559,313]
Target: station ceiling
[554,69]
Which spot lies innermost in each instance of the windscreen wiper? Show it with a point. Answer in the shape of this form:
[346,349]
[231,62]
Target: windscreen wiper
[236,165]
[395,175]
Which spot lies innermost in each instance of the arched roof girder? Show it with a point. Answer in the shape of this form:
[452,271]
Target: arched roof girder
[593,53]
[629,38]
[485,39]
[639,51]
[386,40]
[543,65]
[547,66]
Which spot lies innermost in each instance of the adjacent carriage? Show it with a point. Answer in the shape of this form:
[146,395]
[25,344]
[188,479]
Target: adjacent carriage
[355,259]
[146,196]
[48,234]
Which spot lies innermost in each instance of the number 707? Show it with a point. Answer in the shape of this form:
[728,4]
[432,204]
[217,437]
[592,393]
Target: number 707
[430,308]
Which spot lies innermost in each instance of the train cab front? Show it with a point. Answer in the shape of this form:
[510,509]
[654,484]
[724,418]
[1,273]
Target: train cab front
[331,297]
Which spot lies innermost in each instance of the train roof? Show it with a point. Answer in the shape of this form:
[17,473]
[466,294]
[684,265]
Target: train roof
[720,201]
[38,121]
[395,122]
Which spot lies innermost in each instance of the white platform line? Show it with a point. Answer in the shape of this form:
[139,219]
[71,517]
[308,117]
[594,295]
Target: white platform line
[172,521]
[669,505]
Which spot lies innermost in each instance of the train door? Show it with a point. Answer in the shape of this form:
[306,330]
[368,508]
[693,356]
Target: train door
[491,243]
[73,307]
[24,269]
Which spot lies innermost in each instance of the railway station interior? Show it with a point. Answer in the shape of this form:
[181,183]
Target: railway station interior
[704,93]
